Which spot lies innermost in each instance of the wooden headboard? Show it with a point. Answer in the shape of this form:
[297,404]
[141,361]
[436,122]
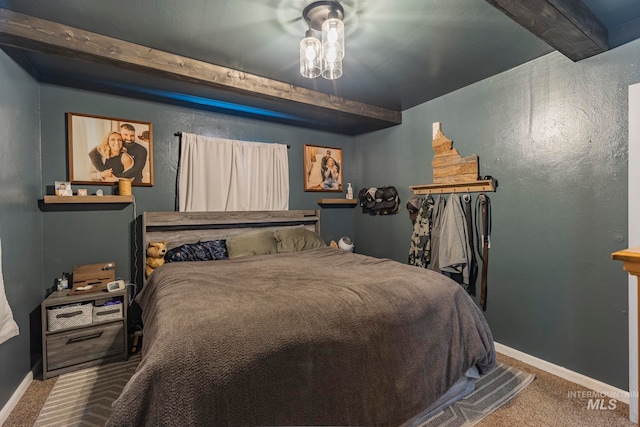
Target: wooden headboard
[178,228]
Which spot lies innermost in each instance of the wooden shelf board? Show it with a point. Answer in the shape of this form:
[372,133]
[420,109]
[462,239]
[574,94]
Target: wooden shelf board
[337,201]
[87,199]
[629,254]
[460,187]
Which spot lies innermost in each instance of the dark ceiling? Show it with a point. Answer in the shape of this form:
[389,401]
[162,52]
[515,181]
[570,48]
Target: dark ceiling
[398,53]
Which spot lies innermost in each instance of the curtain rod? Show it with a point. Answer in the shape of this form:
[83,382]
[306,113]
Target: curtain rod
[180,134]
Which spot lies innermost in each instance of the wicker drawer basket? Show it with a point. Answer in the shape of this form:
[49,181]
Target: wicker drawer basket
[69,316]
[107,312]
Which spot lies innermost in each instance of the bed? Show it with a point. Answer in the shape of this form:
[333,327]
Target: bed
[301,337]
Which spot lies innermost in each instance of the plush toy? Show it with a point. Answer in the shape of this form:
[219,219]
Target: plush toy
[155,256]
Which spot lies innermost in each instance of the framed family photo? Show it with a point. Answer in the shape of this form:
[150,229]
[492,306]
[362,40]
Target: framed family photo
[63,188]
[103,149]
[323,168]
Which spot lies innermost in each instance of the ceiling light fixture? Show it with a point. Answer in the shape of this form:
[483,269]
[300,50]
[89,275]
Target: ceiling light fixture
[323,58]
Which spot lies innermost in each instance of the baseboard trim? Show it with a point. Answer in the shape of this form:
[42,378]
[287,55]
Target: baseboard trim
[564,373]
[15,398]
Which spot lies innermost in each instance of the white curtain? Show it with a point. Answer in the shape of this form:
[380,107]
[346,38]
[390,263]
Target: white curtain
[226,175]
[8,327]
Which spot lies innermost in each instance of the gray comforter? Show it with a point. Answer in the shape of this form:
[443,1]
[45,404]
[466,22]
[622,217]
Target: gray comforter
[321,337]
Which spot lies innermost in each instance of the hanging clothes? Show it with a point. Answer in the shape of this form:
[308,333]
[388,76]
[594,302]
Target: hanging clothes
[436,227]
[454,253]
[420,248]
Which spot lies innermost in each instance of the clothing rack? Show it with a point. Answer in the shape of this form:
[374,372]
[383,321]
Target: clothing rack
[180,134]
[481,185]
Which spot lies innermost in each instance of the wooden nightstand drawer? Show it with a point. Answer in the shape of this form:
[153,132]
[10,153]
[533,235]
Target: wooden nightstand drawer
[71,348]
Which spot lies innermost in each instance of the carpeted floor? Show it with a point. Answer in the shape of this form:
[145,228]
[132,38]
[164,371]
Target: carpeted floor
[545,402]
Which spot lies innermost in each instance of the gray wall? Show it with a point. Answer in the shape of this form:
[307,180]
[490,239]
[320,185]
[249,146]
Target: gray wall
[554,133]
[20,219]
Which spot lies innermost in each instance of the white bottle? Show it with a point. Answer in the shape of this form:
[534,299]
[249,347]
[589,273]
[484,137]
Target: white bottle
[349,191]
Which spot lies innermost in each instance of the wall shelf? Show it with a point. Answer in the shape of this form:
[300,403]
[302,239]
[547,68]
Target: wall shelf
[338,202]
[459,187]
[83,203]
[87,199]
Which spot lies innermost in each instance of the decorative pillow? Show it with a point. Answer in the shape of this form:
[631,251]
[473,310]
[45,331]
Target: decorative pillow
[201,251]
[253,243]
[297,239]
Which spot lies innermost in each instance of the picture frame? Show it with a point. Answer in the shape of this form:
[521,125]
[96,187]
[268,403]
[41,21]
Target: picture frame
[63,188]
[323,169]
[93,155]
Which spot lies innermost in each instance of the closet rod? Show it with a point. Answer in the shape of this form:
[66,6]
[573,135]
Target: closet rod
[180,134]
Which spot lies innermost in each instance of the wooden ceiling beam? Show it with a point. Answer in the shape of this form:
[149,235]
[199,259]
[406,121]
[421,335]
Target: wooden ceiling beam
[35,34]
[567,25]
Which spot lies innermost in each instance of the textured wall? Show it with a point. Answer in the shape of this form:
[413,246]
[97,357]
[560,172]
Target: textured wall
[73,238]
[554,133]
[20,219]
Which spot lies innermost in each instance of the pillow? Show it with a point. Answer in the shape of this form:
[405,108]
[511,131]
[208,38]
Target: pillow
[201,251]
[254,243]
[297,239]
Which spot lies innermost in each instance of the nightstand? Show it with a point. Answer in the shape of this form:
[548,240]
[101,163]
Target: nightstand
[79,331]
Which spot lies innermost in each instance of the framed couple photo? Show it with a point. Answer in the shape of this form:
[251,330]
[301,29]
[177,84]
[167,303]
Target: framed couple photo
[323,169]
[103,149]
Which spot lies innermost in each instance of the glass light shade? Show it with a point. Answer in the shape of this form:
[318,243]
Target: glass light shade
[331,70]
[333,40]
[310,57]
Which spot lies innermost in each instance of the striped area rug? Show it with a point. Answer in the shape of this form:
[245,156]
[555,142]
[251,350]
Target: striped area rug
[84,398]
[492,391]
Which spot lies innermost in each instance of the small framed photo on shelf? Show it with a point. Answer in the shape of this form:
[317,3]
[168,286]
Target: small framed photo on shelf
[82,191]
[63,188]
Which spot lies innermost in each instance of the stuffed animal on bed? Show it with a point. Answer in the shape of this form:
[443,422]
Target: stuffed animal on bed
[155,256]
